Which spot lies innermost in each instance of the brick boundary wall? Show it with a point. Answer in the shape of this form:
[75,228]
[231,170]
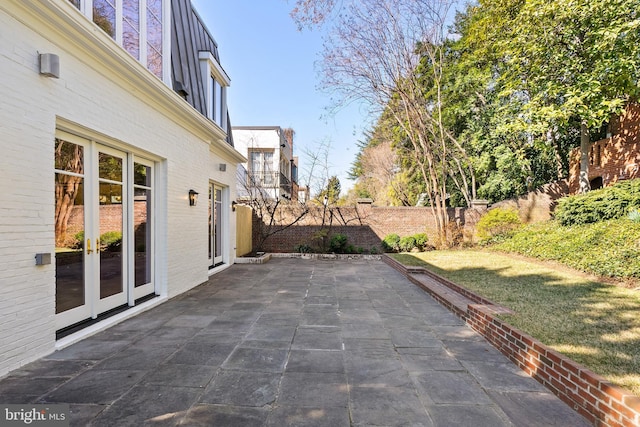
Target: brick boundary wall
[364,225]
[592,396]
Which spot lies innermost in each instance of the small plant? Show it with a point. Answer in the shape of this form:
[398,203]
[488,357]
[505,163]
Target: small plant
[302,249]
[498,224]
[407,243]
[78,240]
[421,241]
[111,241]
[338,244]
[373,250]
[391,243]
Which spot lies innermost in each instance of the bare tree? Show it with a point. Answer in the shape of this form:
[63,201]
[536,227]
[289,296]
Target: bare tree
[276,214]
[389,54]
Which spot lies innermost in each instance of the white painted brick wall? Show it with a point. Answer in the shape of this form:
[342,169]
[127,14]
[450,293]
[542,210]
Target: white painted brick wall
[29,107]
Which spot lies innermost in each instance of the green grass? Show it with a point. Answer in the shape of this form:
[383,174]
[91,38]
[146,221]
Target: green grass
[594,323]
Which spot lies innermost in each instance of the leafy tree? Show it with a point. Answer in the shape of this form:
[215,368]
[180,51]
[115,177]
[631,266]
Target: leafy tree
[373,54]
[571,60]
[331,193]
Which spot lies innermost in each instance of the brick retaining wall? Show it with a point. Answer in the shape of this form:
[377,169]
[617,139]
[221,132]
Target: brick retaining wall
[592,396]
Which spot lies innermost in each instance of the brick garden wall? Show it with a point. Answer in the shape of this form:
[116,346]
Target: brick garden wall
[364,225]
[592,396]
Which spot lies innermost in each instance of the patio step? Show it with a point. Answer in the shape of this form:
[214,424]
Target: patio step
[447,293]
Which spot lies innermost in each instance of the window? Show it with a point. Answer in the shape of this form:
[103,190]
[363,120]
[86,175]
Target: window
[217,83]
[216,102]
[261,169]
[137,25]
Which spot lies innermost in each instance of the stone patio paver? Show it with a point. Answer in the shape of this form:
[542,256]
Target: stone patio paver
[293,342]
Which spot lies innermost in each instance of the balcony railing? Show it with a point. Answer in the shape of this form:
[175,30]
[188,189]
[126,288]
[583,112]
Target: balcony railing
[285,183]
[264,179]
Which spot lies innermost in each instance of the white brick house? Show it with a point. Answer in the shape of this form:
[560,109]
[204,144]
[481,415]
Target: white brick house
[97,165]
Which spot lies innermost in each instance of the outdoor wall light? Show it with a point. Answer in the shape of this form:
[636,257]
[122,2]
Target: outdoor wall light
[193,197]
[49,65]
[233,206]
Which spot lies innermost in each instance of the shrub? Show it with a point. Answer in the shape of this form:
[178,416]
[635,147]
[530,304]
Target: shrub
[607,248]
[406,244]
[498,224]
[302,249]
[78,240]
[391,243]
[634,215]
[111,240]
[421,241]
[599,205]
[338,243]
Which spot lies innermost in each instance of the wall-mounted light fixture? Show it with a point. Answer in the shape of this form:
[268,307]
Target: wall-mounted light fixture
[222,167]
[49,65]
[233,206]
[193,197]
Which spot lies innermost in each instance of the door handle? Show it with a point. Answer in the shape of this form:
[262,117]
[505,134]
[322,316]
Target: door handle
[89,250]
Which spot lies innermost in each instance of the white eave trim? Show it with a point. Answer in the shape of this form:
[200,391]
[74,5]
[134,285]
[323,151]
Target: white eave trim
[216,69]
[64,25]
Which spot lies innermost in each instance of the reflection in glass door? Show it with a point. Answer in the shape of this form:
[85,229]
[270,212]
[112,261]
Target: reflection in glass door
[111,208]
[142,226]
[71,295]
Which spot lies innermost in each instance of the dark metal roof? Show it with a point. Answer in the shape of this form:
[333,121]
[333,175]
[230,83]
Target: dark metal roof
[189,37]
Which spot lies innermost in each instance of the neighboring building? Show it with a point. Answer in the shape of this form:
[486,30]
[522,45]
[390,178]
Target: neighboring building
[113,114]
[614,158]
[271,169]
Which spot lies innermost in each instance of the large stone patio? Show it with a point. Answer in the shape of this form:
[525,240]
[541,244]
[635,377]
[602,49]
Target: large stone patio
[292,342]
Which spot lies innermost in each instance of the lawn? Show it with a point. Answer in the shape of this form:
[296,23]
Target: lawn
[594,323]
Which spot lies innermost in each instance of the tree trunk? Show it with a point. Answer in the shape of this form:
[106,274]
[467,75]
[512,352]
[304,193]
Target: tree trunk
[585,145]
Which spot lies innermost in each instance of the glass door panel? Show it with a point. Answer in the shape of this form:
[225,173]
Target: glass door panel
[217,228]
[215,225]
[70,263]
[111,212]
[142,228]
[72,298]
[109,244]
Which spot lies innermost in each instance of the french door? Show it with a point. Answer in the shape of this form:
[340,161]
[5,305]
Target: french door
[215,225]
[102,229]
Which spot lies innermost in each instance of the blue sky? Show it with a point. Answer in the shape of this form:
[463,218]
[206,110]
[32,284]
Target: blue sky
[274,81]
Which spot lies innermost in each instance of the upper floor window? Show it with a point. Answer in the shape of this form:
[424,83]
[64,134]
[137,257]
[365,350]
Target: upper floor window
[139,26]
[217,82]
[261,168]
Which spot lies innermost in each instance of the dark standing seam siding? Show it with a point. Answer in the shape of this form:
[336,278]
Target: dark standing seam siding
[189,37]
